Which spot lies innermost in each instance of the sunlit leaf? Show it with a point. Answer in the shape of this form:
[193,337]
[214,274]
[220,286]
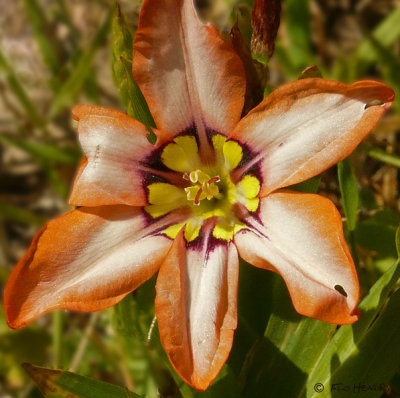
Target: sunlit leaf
[289,349]
[367,352]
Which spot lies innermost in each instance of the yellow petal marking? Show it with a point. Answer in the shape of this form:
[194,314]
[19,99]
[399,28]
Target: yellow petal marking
[233,153]
[192,229]
[163,198]
[173,230]
[218,141]
[252,204]
[250,187]
[226,231]
[182,154]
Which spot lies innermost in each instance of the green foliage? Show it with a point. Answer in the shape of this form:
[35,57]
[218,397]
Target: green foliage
[71,87]
[131,96]
[349,192]
[276,352]
[63,384]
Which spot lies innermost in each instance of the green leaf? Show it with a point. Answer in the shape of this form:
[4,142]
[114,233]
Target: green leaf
[20,215]
[398,241]
[297,17]
[19,92]
[70,89]
[45,151]
[389,64]
[368,351]
[309,186]
[253,312]
[386,33]
[290,348]
[349,192]
[63,384]
[381,155]
[131,96]
[378,233]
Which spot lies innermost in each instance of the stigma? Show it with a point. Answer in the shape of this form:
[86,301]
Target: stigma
[203,186]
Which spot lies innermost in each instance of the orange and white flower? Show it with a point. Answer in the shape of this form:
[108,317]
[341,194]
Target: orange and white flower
[209,190]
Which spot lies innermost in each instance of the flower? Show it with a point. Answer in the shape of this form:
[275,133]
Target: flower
[209,189]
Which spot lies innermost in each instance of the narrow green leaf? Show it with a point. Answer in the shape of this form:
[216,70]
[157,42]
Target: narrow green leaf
[352,344]
[349,192]
[45,151]
[70,89]
[131,96]
[19,92]
[20,215]
[63,384]
[45,36]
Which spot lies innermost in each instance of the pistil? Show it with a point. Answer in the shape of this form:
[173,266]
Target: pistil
[204,186]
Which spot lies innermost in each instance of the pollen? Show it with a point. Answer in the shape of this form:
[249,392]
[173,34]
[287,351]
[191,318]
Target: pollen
[203,186]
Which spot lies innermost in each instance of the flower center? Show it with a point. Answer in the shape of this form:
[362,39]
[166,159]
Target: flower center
[203,186]
[202,180]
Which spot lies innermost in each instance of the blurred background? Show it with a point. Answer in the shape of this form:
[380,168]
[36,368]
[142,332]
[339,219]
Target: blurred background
[57,53]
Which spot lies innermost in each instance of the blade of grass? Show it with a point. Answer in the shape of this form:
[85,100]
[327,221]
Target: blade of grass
[381,155]
[19,92]
[45,38]
[45,151]
[20,215]
[75,81]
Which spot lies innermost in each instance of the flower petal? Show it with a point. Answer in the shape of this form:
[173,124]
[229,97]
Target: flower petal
[86,260]
[196,307]
[186,72]
[307,126]
[300,236]
[115,146]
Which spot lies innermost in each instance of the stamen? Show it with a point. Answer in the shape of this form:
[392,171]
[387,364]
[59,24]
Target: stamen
[214,179]
[197,198]
[202,186]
